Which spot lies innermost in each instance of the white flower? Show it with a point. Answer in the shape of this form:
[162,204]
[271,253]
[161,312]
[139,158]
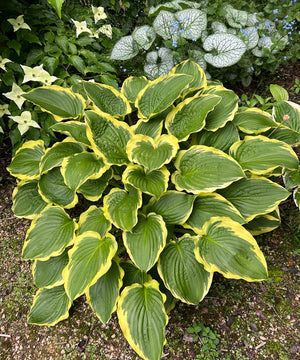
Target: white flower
[3,61]
[24,121]
[18,23]
[106,30]
[16,95]
[1,130]
[37,74]
[99,13]
[81,27]
[4,110]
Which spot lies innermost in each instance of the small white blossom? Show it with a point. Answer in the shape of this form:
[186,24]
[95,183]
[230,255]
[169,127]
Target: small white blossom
[16,95]
[4,110]
[3,61]
[37,74]
[18,23]
[24,121]
[99,13]
[106,30]
[81,27]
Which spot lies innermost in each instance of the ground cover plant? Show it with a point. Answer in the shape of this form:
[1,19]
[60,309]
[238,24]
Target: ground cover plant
[192,198]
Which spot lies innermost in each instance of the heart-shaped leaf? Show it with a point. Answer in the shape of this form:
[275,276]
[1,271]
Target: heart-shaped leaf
[144,36]
[254,121]
[93,219]
[132,86]
[126,48]
[192,21]
[75,129]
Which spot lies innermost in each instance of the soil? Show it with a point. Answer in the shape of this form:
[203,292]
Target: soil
[250,320]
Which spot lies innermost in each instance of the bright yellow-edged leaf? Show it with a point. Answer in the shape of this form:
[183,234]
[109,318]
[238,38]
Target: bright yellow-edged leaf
[254,121]
[264,223]
[75,129]
[93,219]
[152,127]
[132,86]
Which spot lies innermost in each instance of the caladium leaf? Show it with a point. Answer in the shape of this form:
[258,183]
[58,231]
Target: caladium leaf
[192,21]
[144,36]
[228,48]
[126,48]
[146,240]
[243,260]
[182,274]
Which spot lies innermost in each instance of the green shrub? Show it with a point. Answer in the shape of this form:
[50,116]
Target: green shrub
[156,187]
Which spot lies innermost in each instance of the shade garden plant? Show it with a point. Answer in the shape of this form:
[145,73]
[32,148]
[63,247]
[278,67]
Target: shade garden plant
[152,189]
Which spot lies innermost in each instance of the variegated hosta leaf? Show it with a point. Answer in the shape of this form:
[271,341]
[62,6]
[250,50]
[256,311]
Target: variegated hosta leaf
[189,67]
[152,127]
[143,319]
[103,295]
[107,99]
[146,240]
[90,258]
[27,202]
[254,196]
[108,136]
[53,189]
[192,21]
[165,25]
[190,115]
[49,273]
[133,275]
[62,103]
[254,121]
[228,48]
[92,190]
[264,223]
[205,169]
[49,306]
[55,155]
[144,36]
[291,179]
[175,207]
[296,197]
[279,93]
[182,274]
[160,94]
[226,247]
[154,182]
[150,153]
[75,129]
[93,219]
[261,155]
[77,169]
[25,163]
[286,135]
[126,48]
[224,110]
[121,206]
[288,114]
[49,234]
[132,86]
[221,139]
[209,205]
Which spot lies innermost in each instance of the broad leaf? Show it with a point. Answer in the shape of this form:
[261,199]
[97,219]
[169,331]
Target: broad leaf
[158,63]
[254,121]
[92,190]
[235,18]
[146,240]
[264,223]
[133,275]
[143,319]
[144,36]
[103,295]
[90,258]
[192,21]
[49,306]
[126,48]
[75,129]
[93,219]
[226,247]
[278,92]
[152,127]
[163,25]
[205,169]
[292,179]
[49,234]
[57,4]
[182,274]
[287,113]
[132,86]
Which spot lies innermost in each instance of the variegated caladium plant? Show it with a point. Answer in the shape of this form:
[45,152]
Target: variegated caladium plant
[169,181]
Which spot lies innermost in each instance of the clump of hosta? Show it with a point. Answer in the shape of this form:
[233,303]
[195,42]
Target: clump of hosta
[182,29]
[177,182]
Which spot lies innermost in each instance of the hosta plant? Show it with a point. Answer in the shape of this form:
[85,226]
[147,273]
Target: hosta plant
[153,189]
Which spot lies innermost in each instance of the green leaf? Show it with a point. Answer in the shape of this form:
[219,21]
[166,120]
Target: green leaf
[208,205]
[296,197]
[278,92]
[226,247]
[182,274]
[132,86]
[154,182]
[205,169]
[190,115]
[75,129]
[90,258]
[152,127]
[27,202]
[57,4]
[160,94]
[49,234]
[108,136]
[261,155]
[93,219]
[143,319]
[291,179]
[264,223]
[78,63]
[49,273]
[121,206]
[62,103]
[287,113]
[107,99]
[55,155]
[25,163]
[92,190]
[54,190]
[254,121]
[126,48]
[49,306]
[133,275]
[146,240]
[254,196]
[193,22]
[228,48]
[175,207]
[103,295]
[150,153]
